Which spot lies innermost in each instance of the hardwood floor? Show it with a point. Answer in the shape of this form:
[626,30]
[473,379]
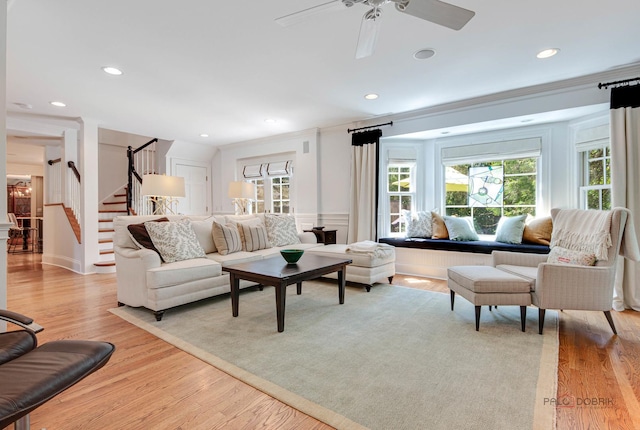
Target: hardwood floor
[149,384]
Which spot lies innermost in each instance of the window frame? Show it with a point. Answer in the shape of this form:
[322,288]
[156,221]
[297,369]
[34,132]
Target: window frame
[586,186]
[412,194]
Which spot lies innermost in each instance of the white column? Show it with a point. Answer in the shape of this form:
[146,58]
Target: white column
[4,224]
[88,167]
[69,153]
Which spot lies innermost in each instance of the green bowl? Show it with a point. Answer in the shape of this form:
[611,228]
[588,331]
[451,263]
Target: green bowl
[292,255]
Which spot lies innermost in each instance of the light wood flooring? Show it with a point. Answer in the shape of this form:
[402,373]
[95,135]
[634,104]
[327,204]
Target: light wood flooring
[149,384]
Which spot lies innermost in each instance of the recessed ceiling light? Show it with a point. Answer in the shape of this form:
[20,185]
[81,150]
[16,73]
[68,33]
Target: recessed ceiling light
[548,53]
[270,121]
[371,96]
[423,54]
[58,104]
[204,135]
[112,70]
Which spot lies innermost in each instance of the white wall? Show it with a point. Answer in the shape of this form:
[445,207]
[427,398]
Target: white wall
[112,169]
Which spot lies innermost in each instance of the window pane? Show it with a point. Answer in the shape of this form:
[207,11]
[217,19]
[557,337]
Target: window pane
[395,224]
[520,165]
[276,192]
[596,153]
[285,207]
[520,190]
[285,192]
[460,212]
[486,220]
[394,204]
[406,202]
[596,172]
[606,199]
[277,208]
[513,211]
[607,171]
[593,199]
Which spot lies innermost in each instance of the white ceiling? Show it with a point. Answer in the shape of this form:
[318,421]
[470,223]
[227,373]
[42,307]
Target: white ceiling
[223,67]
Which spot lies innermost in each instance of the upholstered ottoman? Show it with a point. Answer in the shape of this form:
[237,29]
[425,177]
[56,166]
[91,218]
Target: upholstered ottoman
[486,285]
[367,267]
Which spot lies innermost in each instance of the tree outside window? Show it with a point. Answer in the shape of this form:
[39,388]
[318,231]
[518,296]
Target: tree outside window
[488,190]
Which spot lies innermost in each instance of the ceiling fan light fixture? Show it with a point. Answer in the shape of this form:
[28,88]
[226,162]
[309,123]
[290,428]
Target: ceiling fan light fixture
[547,53]
[371,96]
[424,54]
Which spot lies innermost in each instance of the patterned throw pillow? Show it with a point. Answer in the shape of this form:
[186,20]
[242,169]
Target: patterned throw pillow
[254,237]
[227,238]
[176,241]
[460,228]
[140,236]
[510,229]
[568,256]
[418,223]
[281,229]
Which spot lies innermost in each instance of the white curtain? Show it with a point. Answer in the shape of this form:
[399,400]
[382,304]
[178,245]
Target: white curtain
[625,183]
[364,186]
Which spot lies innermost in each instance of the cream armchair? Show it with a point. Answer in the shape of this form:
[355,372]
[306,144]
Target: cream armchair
[565,286]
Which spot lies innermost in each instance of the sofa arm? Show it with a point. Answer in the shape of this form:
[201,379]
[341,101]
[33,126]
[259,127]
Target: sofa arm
[517,258]
[307,237]
[131,273]
[564,286]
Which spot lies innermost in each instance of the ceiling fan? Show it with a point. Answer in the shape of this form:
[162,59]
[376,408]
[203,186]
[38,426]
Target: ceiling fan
[435,11]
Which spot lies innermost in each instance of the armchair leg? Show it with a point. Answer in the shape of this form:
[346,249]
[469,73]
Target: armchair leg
[540,320]
[453,298]
[523,316]
[23,423]
[478,308]
[610,320]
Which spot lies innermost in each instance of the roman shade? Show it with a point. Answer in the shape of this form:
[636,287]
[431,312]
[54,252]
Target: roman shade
[510,149]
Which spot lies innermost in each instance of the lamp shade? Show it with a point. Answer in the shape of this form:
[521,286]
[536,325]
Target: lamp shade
[242,190]
[162,185]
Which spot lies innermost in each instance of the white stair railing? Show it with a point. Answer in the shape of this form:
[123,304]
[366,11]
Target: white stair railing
[54,181]
[74,191]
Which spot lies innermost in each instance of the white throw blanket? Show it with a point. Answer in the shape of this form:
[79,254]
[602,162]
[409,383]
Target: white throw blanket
[585,231]
[369,247]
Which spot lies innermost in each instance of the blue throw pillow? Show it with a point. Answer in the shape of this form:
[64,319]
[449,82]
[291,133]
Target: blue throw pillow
[510,229]
[460,228]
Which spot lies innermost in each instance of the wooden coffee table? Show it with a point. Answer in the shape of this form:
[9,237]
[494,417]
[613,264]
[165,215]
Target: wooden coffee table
[275,271]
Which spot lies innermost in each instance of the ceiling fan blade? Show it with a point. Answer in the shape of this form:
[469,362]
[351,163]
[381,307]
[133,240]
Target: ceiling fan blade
[303,15]
[368,33]
[438,12]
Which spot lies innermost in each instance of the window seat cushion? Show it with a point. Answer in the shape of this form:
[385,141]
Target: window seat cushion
[477,246]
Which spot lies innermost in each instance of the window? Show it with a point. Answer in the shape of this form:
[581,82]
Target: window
[595,193]
[488,190]
[273,186]
[400,195]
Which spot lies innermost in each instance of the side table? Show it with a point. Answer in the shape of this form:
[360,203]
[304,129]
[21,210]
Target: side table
[327,237]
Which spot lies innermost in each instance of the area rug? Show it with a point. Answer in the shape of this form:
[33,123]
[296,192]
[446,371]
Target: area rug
[392,358]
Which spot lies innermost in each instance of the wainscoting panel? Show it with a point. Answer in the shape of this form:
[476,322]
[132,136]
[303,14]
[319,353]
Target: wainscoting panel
[434,264]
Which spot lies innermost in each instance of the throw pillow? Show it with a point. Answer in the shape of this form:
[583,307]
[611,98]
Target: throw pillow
[176,241]
[460,228]
[204,233]
[538,231]
[254,237]
[510,229]
[227,238]
[281,229]
[418,223]
[140,235]
[438,227]
[568,256]
[252,222]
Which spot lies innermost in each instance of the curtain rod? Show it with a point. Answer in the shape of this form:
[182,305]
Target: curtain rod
[621,83]
[351,130]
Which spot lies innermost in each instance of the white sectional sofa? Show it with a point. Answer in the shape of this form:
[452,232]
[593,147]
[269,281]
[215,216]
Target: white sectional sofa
[144,279]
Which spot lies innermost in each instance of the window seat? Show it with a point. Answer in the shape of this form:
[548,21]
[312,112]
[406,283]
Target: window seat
[432,257]
[477,246]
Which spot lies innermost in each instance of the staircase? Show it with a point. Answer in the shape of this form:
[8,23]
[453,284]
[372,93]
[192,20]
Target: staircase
[110,208]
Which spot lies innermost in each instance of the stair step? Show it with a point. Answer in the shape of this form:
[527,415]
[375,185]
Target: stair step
[106,251]
[110,240]
[105,263]
[113,212]
[124,202]
[120,195]
[106,230]
[106,220]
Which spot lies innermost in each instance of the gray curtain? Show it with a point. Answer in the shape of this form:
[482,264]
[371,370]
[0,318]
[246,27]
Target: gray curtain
[363,211]
[625,183]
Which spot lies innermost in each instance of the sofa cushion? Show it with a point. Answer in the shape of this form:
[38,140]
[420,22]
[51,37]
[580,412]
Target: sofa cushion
[527,272]
[281,229]
[204,233]
[538,231]
[176,241]
[140,235]
[487,279]
[438,228]
[254,237]
[227,238]
[235,257]
[180,272]
[460,228]
[510,229]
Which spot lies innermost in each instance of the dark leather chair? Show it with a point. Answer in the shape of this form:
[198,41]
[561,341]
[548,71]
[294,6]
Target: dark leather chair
[31,375]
